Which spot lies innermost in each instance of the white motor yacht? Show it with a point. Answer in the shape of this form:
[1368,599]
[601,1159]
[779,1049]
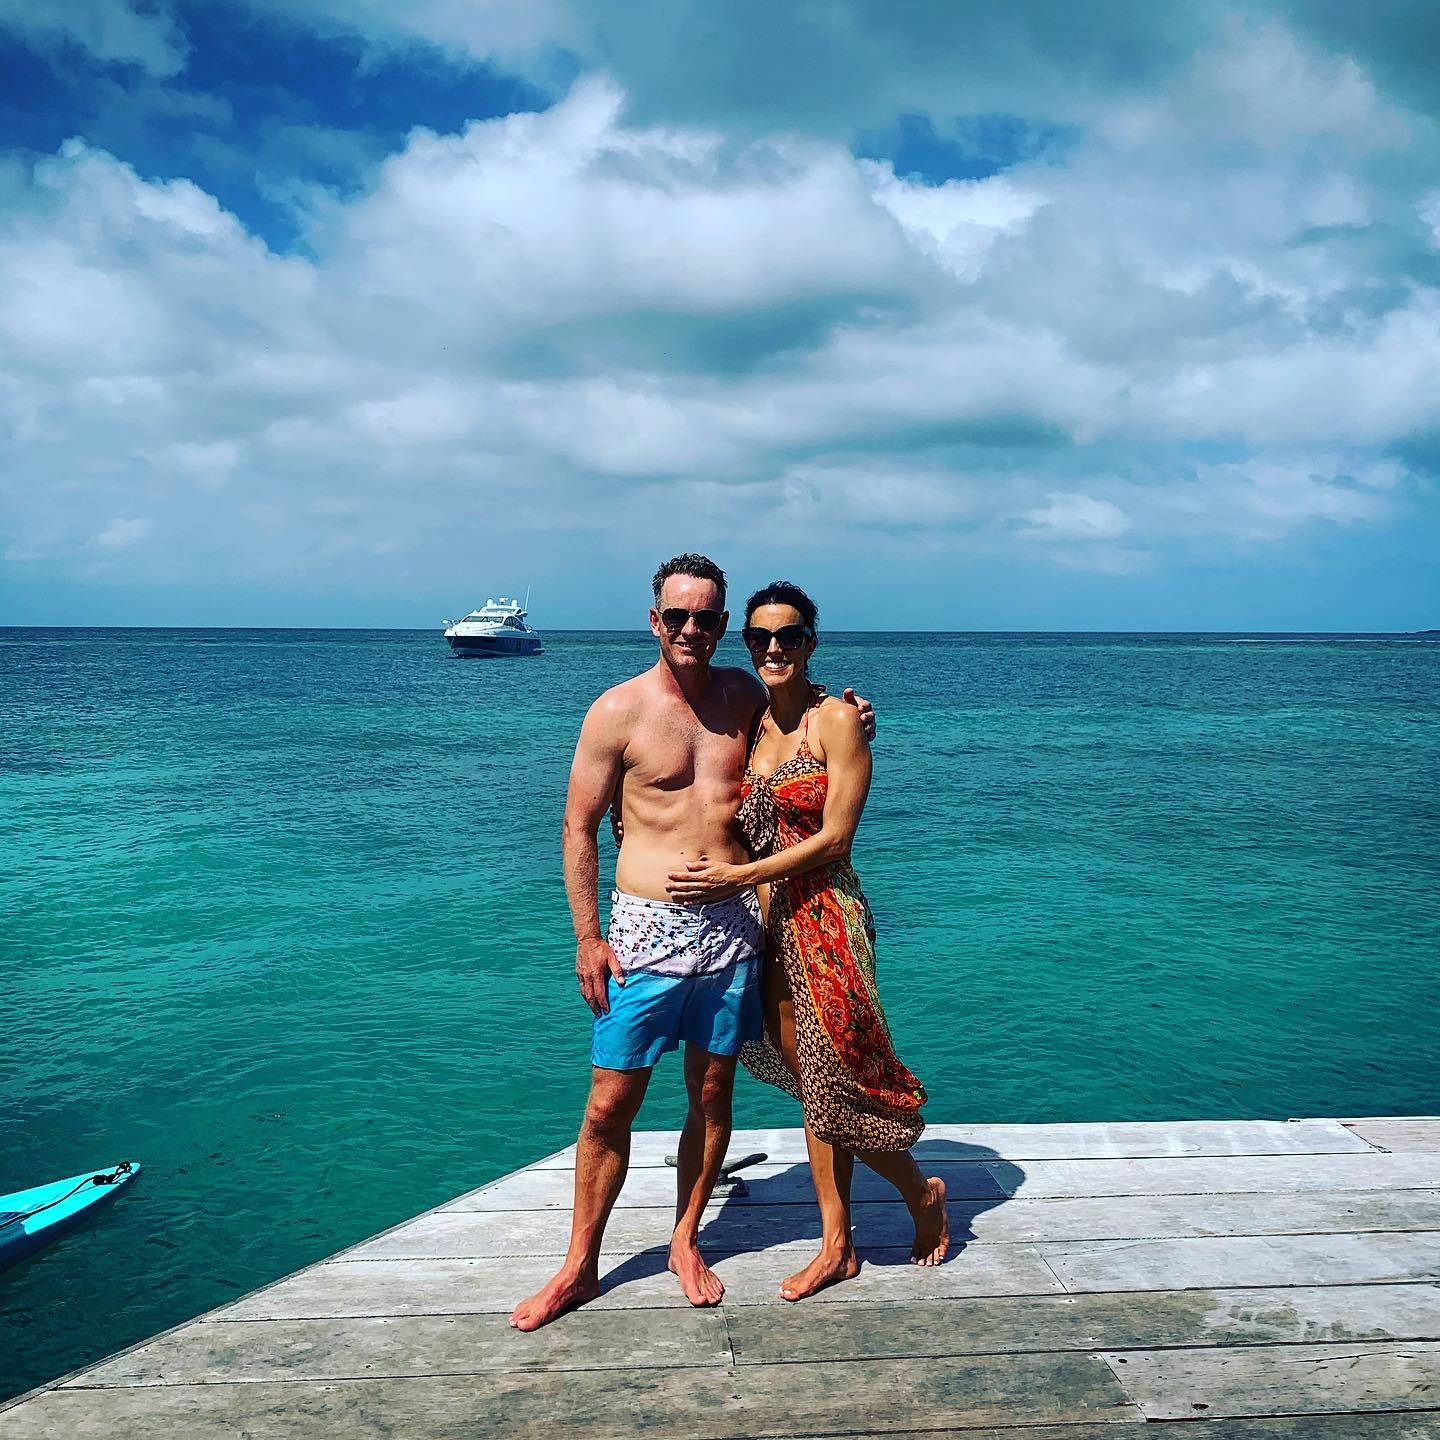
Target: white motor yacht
[497,628]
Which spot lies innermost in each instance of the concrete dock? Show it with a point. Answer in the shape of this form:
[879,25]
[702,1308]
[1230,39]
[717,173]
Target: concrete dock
[1214,1280]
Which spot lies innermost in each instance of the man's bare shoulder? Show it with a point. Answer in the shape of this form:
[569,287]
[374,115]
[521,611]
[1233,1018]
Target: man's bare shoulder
[614,710]
[741,688]
[627,693]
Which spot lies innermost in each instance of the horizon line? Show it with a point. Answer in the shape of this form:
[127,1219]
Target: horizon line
[628,630]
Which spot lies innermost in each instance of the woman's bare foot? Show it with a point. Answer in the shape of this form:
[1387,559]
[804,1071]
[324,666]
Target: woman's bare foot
[932,1227]
[829,1267]
[702,1286]
[565,1292]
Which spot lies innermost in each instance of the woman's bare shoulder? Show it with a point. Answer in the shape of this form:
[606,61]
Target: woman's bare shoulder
[839,722]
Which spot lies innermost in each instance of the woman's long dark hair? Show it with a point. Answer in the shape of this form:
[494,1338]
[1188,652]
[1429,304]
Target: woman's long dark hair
[784,592]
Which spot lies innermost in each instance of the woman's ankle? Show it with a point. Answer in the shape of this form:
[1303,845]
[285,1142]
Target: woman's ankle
[920,1201]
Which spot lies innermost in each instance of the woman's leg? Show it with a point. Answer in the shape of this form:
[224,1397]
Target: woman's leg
[924,1197]
[779,1008]
[831,1169]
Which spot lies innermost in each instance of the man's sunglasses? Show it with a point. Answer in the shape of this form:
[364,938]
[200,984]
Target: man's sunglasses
[790,637]
[673,618]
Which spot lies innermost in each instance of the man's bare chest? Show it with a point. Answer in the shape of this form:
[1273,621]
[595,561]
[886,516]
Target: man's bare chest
[669,757]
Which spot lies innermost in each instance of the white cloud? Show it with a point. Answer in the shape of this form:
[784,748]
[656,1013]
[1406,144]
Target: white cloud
[111,30]
[1264,499]
[571,215]
[1428,209]
[121,534]
[1290,68]
[1067,515]
[1267,86]
[822,70]
[514,30]
[958,221]
[909,500]
[577,320]
[209,463]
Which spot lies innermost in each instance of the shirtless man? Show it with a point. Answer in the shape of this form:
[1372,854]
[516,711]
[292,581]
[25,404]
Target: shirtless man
[672,742]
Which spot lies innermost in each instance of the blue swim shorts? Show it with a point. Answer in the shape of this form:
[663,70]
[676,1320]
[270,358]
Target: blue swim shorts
[692,973]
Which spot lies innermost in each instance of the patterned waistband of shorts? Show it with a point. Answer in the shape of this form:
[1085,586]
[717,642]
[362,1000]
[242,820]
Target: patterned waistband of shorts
[669,939]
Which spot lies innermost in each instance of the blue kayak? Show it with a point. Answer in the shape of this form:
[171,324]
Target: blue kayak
[31,1219]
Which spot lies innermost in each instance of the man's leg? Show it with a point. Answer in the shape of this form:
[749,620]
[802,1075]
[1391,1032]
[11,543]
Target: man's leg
[602,1156]
[710,1082]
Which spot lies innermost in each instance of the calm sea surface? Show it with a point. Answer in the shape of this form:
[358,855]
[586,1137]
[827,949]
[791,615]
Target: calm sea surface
[283,917]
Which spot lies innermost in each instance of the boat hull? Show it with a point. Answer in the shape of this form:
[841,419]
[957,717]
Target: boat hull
[482,647]
[31,1219]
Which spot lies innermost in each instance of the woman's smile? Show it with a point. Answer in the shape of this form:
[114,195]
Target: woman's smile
[780,641]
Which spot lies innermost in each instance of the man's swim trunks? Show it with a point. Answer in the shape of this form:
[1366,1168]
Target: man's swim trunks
[692,973]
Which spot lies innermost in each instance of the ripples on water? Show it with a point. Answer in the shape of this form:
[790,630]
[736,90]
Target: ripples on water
[284,918]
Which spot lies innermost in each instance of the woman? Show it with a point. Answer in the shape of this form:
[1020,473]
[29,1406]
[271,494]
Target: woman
[827,1042]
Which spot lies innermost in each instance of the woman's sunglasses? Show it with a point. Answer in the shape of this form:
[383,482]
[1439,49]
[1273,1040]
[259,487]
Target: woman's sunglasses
[673,618]
[789,637]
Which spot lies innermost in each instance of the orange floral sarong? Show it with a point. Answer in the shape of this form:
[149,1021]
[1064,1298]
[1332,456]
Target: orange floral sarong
[856,1092]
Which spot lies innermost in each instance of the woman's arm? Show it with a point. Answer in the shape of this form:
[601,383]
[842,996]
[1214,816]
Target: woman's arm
[846,752]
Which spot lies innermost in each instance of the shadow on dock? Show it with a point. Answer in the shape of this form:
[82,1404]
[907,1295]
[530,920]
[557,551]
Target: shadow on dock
[779,1210]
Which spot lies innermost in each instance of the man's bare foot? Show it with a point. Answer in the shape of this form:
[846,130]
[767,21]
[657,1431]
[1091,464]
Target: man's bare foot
[564,1292]
[702,1286]
[932,1227]
[829,1267]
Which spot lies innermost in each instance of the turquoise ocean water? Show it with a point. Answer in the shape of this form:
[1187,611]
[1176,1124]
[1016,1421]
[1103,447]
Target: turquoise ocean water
[283,917]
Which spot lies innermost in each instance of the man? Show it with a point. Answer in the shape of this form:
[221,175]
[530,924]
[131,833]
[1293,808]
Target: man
[669,746]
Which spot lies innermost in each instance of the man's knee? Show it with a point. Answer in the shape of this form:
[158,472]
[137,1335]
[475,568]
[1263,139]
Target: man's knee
[612,1106]
[711,1091]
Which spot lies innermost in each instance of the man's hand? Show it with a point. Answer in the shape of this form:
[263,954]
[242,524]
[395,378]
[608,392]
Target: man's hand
[866,710]
[595,962]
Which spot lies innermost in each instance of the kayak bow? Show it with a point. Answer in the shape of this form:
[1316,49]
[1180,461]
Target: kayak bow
[31,1219]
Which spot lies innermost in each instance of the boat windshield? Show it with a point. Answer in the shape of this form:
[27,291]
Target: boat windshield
[496,616]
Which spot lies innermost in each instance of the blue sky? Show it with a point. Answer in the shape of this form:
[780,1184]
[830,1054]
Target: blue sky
[329,314]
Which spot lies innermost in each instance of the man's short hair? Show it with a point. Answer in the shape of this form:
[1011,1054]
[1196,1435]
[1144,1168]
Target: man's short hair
[700,567]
